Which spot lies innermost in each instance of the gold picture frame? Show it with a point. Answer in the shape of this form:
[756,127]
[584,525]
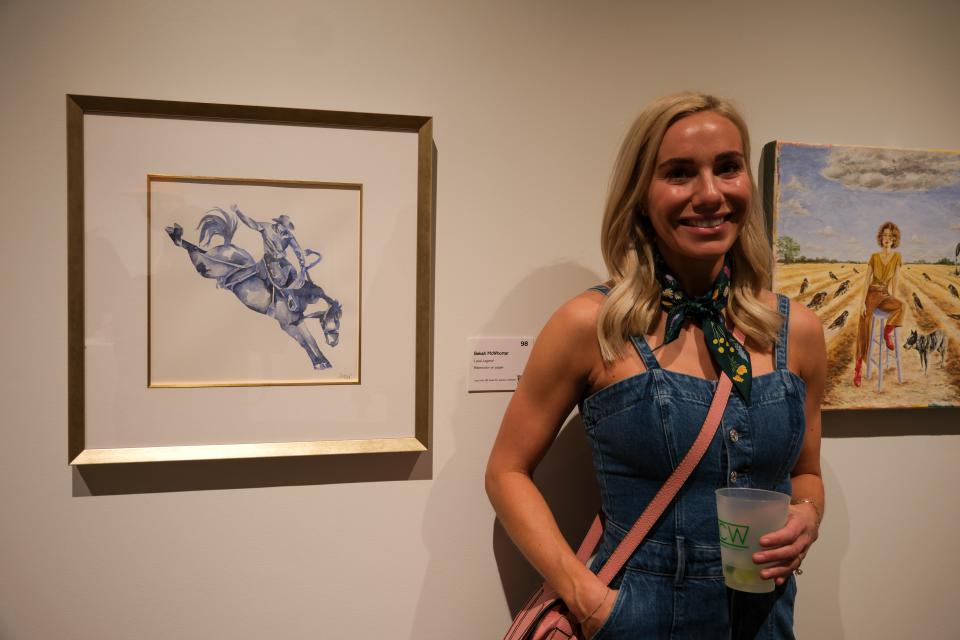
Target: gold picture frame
[114,414]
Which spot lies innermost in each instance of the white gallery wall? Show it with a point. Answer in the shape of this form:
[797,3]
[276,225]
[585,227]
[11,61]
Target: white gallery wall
[530,100]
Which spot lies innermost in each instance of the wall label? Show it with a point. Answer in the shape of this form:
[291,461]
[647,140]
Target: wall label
[496,364]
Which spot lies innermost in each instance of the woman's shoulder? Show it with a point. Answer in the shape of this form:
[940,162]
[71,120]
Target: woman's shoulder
[806,342]
[568,341]
[771,300]
[578,315]
[807,347]
[803,323]
[804,334]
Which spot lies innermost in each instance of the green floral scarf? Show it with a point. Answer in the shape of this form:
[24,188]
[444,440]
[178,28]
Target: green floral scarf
[707,310]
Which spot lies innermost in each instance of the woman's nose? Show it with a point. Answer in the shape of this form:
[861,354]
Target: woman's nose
[706,193]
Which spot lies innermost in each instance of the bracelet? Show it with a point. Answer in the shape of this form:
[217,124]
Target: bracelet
[812,503]
[597,609]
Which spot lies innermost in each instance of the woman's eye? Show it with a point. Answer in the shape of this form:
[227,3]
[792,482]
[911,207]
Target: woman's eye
[677,173]
[730,167]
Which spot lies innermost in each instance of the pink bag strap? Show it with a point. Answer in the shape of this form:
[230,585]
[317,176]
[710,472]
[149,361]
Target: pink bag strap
[667,492]
[590,540]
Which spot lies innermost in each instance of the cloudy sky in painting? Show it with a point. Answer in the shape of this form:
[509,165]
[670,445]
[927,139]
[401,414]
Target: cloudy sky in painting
[833,200]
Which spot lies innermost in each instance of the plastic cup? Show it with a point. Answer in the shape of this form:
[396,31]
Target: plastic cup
[744,516]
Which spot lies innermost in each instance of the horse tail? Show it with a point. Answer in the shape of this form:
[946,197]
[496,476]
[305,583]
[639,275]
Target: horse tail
[212,224]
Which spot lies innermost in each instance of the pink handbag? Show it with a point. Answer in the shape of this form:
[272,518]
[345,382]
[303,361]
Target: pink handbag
[545,616]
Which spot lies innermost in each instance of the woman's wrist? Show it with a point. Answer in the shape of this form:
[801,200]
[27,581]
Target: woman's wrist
[585,595]
[810,502]
[606,594]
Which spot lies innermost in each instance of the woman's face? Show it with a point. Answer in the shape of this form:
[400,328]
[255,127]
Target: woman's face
[886,238]
[700,192]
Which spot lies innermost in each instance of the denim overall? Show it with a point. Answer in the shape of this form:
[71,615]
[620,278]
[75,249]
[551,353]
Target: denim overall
[639,428]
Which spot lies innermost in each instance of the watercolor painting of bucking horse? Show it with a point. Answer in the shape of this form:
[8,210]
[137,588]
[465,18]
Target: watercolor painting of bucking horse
[253,282]
[869,239]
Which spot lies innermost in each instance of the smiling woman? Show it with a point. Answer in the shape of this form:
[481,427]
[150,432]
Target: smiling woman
[698,198]
[663,165]
[684,241]
[700,192]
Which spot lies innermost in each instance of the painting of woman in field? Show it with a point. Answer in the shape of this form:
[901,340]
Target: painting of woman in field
[831,207]
[880,292]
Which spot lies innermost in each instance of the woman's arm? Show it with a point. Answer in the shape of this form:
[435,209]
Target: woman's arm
[866,288]
[894,279]
[556,376]
[789,545]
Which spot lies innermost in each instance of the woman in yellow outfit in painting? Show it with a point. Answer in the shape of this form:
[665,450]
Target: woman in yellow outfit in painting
[883,271]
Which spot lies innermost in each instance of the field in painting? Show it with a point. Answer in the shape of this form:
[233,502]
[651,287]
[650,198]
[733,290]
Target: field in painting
[940,310]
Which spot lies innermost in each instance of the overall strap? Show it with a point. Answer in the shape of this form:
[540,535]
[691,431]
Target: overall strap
[646,353]
[780,354]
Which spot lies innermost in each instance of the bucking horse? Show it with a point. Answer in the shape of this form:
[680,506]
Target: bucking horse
[272,285]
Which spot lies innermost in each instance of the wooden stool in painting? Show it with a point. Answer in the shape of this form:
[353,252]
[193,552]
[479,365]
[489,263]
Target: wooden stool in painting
[882,361]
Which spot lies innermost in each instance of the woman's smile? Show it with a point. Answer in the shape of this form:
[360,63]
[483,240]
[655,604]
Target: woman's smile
[704,224]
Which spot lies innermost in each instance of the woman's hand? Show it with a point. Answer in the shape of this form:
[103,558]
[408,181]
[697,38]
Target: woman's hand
[787,547]
[592,624]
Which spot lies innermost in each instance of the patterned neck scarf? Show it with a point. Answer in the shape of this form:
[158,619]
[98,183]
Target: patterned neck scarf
[707,311]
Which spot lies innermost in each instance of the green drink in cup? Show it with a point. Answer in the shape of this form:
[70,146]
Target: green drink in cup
[745,515]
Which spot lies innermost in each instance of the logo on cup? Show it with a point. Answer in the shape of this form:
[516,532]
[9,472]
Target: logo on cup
[733,535]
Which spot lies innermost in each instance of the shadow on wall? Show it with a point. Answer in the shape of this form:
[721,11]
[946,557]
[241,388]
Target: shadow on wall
[456,522]
[206,475]
[884,423]
[818,613]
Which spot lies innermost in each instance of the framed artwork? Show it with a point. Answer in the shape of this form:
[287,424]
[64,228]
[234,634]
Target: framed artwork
[271,267]
[247,281]
[869,239]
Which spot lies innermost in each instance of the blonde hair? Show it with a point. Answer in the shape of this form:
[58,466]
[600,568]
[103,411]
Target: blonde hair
[633,305]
